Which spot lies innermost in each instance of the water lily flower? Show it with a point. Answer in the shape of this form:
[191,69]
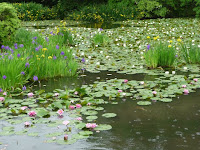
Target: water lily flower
[66,137]
[173,72]
[185,68]
[167,72]
[186,91]
[142,82]
[91,125]
[24,108]
[78,106]
[184,86]
[124,94]
[2,99]
[66,122]
[120,91]
[75,92]
[71,107]
[195,80]
[79,119]
[27,124]
[60,112]
[30,94]
[154,92]
[56,94]
[32,113]
[88,104]
[125,81]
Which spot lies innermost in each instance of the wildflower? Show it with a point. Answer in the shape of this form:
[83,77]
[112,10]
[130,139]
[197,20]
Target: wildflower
[65,57]
[4,93]
[54,57]
[60,112]
[195,80]
[66,137]
[62,53]
[42,55]
[166,72]
[66,122]
[4,77]
[179,40]
[10,57]
[18,55]
[88,104]
[173,72]
[22,73]
[21,45]
[148,37]
[186,91]
[44,49]
[46,38]
[35,78]
[24,108]
[71,107]
[15,45]
[125,81]
[148,47]
[79,119]
[38,58]
[170,41]
[75,92]
[24,88]
[27,65]
[27,124]
[34,38]
[50,57]
[154,92]
[37,49]
[57,47]
[169,46]
[1,90]
[2,46]
[142,82]
[2,99]
[78,106]
[32,113]
[185,68]
[83,60]
[30,94]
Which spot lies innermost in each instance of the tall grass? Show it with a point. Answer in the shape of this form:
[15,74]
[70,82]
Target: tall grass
[40,55]
[160,55]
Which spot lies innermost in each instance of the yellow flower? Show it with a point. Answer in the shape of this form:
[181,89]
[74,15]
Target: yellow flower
[42,55]
[155,38]
[38,58]
[148,37]
[170,41]
[44,49]
[169,46]
[179,40]
[50,57]
[22,58]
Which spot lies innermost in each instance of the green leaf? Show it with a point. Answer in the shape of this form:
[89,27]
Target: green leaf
[109,115]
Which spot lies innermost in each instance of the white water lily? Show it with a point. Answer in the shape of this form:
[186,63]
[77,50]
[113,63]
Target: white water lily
[173,72]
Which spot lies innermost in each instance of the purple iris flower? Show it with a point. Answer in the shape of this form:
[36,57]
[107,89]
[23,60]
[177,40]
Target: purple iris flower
[37,48]
[33,42]
[12,51]
[83,60]
[148,47]
[35,78]
[65,57]
[22,73]
[34,38]
[6,47]
[54,57]
[2,46]
[4,77]
[18,55]
[47,39]
[24,88]
[57,47]
[1,90]
[27,65]
[21,45]
[10,57]
[15,45]
[62,53]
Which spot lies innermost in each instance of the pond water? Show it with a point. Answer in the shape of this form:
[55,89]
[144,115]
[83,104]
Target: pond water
[159,126]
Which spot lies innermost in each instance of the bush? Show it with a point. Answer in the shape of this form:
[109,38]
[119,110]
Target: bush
[160,55]
[9,21]
[33,11]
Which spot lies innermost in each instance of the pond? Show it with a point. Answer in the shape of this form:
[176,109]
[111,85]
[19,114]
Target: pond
[117,82]
[159,126]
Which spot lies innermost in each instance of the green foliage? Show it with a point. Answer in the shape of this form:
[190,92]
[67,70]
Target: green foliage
[9,21]
[160,55]
[191,53]
[34,11]
[100,39]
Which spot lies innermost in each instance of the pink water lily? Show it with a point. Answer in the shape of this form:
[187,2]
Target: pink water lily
[186,91]
[30,94]
[79,119]
[195,80]
[32,113]
[75,92]
[120,91]
[88,104]
[2,99]
[154,92]
[56,94]
[60,112]
[71,107]
[125,81]
[66,122]
[184,86]
[78,106]
[91,125]
[27,124]
[24,108]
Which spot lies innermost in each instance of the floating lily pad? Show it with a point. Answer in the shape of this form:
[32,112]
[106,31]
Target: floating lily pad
[144,103]
[109,115]
[103,127]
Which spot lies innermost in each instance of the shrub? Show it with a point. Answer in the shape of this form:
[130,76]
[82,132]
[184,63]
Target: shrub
[9,21]
[160,55]
[33,11]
